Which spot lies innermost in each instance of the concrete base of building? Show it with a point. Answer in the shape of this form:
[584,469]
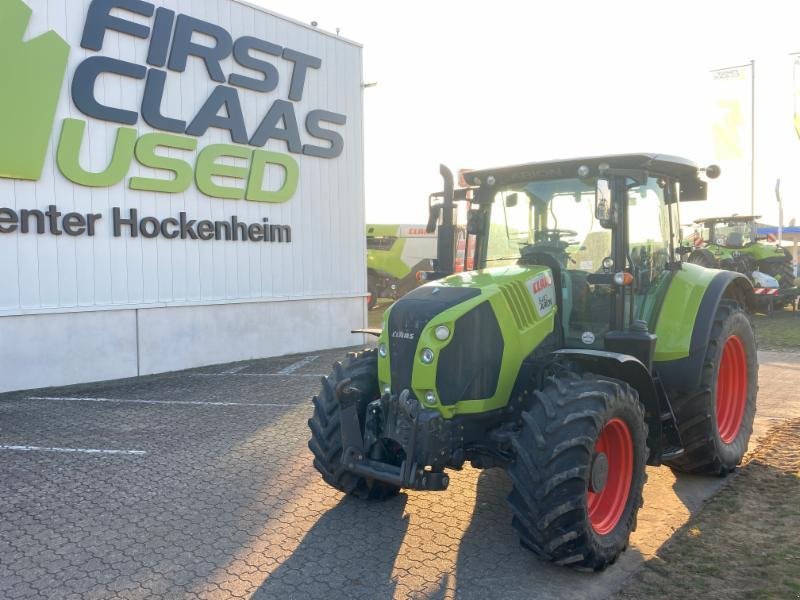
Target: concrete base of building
[45,350]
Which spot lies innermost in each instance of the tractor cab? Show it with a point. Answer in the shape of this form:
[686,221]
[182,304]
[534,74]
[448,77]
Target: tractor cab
[733,232]
[574,217]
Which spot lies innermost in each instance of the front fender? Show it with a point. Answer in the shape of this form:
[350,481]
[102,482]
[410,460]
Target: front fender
[632,371]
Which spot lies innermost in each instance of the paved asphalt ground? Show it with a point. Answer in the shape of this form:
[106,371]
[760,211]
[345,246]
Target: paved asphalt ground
[199,484]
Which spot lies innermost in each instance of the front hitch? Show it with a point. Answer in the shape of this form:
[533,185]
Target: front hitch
[423,435]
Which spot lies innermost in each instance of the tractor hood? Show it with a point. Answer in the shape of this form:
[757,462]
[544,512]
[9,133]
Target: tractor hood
[457,344]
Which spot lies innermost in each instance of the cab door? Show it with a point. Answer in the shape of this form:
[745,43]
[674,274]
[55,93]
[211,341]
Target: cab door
[649,250]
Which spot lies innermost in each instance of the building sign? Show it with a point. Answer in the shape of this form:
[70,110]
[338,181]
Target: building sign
[175,153]
[33,74]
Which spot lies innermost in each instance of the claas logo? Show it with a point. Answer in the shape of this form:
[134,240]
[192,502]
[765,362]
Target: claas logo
[31,75]
[542,283]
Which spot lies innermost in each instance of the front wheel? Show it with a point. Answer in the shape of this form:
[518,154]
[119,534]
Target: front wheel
[361,372]
[579,470]
[716,419]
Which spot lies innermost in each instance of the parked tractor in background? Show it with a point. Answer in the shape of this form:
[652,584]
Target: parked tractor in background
[733,243]
[580,351]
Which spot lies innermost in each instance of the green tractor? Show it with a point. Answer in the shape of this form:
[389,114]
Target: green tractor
[733,243]
[579,352]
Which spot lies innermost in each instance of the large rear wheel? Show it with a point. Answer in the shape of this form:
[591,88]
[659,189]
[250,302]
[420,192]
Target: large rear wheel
[780,269]
[716,419]
[704,258]
[579,470]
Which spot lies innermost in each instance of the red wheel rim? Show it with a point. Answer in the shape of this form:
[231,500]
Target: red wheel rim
[606,506]
[731,389]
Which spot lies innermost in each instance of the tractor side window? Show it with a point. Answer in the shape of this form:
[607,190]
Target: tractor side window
[648,246]
[509,228]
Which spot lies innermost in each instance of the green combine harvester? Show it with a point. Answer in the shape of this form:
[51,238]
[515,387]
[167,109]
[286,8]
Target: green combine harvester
[395,253]
[580,351]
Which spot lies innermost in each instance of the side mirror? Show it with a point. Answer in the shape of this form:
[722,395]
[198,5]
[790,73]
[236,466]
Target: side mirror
[602,203]
[511,200]
[433,218]
[474,222]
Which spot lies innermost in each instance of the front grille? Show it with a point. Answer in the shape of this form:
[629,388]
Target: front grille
[408,317]
[519,304]
[469,366]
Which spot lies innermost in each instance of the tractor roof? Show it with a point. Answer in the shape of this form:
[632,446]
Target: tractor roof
[731,219]
[660,164]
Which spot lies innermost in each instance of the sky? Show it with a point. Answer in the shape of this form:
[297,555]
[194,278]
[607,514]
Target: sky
[479,84]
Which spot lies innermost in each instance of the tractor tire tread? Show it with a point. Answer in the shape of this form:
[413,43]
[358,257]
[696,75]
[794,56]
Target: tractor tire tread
[360,371]
[695,410]
[551,471]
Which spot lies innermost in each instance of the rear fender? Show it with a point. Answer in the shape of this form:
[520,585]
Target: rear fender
[633,372]
[683,373]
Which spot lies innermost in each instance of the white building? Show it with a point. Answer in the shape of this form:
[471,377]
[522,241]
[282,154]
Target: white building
[163,132]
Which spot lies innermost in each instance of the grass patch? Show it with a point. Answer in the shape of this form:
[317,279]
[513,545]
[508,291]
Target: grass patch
[744,543]
[780,331]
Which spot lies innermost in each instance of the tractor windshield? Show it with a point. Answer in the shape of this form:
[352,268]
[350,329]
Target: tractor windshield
[732,234]
[556,216]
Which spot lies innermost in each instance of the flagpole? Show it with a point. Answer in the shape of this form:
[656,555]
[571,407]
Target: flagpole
[752,137]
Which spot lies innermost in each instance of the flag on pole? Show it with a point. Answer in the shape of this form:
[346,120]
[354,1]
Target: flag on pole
[731,125]
[797,94]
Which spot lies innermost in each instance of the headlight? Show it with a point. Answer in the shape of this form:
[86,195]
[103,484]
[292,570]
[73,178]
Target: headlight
[442,332]
[427,356]
[382,350]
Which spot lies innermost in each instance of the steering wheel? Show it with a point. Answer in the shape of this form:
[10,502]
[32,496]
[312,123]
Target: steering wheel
[554,235]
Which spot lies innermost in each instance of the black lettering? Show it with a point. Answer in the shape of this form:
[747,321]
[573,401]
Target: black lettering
[24,218]
[149,226]
[169,234]
[99,19]
[226,97]
[219,226]
[159,41]
[241,53]
[205,230]
[302,62]
[183,46]
[83,88]
[74,224]
[255,232]
[52,215]
[131,222]
[313,120]
[187,227]
[280,233]
[269,130]
[238,227]
[91,220]
[8,223]
[151,104]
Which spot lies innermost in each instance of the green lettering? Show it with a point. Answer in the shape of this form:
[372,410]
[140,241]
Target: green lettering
[262,158]
[146,155]
[207,167]
[31,74]
[69,150]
